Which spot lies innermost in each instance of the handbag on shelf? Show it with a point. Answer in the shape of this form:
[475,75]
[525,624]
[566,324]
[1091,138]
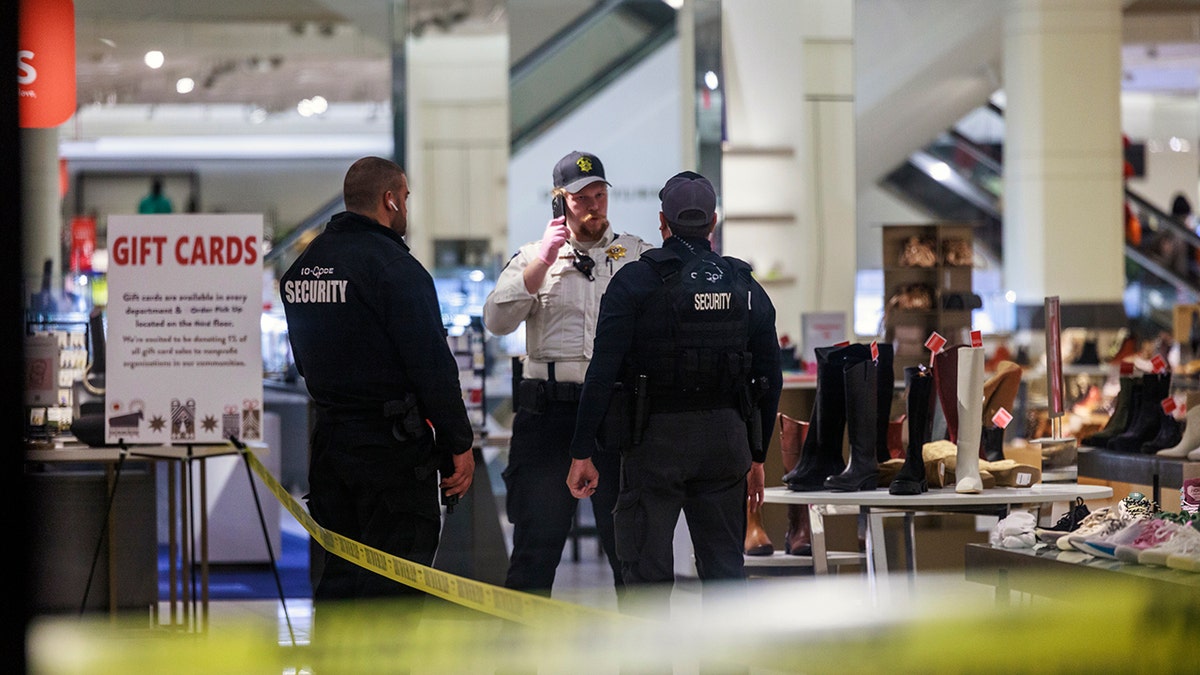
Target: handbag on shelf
[918,252]
[914,297]
[957,253]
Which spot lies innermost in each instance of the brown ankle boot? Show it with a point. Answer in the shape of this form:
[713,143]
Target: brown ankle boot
[792,432]
[757,541]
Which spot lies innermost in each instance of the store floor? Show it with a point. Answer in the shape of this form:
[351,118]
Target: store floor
[587,582]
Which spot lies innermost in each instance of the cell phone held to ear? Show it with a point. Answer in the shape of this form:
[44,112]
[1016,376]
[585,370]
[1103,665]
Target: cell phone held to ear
[558,206]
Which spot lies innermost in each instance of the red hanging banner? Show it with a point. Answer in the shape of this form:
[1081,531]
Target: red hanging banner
[46,62]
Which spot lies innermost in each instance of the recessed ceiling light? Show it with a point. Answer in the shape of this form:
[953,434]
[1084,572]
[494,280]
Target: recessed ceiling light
[185,85]
[154,59]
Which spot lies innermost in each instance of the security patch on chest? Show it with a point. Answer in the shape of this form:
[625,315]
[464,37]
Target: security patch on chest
[712,301]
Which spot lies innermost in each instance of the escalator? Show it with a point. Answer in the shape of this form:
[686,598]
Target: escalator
[959,178]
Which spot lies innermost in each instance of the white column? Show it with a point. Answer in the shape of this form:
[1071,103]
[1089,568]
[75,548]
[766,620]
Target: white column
[1063,195]
[788,171]
[41,207]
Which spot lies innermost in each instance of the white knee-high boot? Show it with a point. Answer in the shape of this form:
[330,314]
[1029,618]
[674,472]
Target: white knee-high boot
[970,414]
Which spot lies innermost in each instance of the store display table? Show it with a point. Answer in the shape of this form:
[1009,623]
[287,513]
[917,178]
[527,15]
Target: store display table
[1042,572]
[874,505]
[185,522]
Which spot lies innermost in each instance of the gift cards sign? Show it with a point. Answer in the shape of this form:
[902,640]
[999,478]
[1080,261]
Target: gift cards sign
[184,331]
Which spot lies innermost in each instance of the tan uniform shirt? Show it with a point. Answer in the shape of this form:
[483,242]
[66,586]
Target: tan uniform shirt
[560,319]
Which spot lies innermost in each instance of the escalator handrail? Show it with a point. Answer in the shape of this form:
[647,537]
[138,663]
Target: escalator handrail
[574,94]
[1177,229]
[560,40]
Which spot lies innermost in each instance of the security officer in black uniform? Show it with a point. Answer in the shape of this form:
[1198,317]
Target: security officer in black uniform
[690,337]
[367,336]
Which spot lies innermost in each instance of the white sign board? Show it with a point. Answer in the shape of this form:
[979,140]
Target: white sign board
[821,329]
[184,339]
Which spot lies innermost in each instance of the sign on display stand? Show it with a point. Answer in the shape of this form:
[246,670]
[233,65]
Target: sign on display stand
[819,329]
[184,338]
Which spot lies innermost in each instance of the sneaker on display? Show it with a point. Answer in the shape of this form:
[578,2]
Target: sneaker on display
[1095,521]
[1067,523]
[1185,542]
[1153,532]
[1107,546]
[1131,508]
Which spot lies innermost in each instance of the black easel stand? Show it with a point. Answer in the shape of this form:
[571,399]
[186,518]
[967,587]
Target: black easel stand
[266,536]
[104,526]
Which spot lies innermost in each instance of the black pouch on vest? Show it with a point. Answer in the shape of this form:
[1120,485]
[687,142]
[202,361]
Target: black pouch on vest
[616,431]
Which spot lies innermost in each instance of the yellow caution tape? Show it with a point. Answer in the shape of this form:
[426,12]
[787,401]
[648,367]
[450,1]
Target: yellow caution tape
[524,608]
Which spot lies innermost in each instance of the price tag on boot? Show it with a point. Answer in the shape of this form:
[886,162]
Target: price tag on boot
[934,344]
[1168,405]
[1159,363]
[874,350]
[976,338]
[1002,418]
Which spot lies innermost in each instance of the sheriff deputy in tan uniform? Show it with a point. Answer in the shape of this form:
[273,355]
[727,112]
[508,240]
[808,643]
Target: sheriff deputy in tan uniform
[554,285]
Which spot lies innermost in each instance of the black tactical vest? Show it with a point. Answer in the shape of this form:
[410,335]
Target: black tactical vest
[693,332]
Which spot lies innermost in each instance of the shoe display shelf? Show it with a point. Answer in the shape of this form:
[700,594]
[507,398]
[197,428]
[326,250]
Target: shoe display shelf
[781,563]
[1155,473]
[1046,572]
[927,276]
[875,505]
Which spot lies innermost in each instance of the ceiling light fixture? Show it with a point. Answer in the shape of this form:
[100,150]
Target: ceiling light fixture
[154,59]
[185,85]
[309,107]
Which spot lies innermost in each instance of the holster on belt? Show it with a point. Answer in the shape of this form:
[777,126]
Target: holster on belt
[536,395]
[407,421]
[641,408]
[616,431]
[751,393]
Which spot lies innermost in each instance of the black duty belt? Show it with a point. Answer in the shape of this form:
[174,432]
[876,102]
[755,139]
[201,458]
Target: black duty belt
[555,392]
[535,395]
[689,401]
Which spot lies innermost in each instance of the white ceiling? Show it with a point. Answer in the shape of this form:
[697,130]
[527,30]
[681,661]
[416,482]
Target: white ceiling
[272,53]
[266,53]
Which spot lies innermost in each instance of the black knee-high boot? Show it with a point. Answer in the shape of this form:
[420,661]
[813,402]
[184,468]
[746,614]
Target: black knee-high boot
[886,383]
[1148,414]
[862,411]
[821,454]
[919,408]
[1130,391]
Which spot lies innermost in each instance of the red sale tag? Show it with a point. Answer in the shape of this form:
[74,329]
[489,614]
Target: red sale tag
[1126,368]
[1002,418]
[976,338]
[844,343]
[935,342]
[874,351]
[1159,363]
[1168,404]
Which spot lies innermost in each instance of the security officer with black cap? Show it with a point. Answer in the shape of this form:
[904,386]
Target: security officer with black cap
[554,286]
[686,357]
[367,335]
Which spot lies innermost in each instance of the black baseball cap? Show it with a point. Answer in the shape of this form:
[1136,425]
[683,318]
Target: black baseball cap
[689,202]
[577,171]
